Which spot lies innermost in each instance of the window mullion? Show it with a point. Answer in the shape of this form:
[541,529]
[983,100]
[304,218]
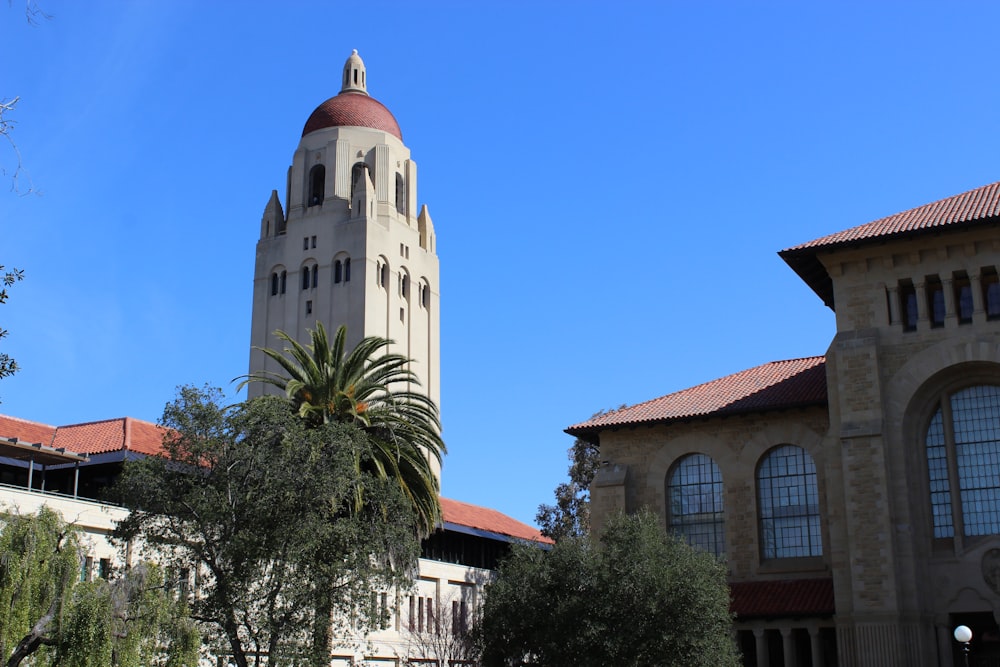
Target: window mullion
[951,456]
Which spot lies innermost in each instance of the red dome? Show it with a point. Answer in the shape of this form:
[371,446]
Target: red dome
[350,109]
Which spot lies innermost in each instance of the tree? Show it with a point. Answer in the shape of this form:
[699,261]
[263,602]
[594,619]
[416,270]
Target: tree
[7,365]
[446,639]
[636,598]
[47,613]
[374,391]
[570,516]
[261,505]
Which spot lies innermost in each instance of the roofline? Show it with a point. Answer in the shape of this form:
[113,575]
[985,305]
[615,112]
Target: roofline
[583,432]
[806,264]
[17,449]
[488,534]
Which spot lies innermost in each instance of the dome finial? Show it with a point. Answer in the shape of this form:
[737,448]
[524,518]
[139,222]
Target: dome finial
[354,75]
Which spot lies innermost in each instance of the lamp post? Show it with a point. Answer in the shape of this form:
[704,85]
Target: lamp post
[963,635]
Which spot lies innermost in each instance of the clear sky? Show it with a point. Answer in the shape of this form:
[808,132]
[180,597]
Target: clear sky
[609,183]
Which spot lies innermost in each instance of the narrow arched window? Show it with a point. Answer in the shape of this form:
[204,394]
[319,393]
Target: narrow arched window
[337,271]
[274,284]
[358,173]
[400,194]
[347,270]
[965,494]
[694,503]
[788,501]
[384,277]
[315,276]
[305,277]
[284,280]
[317,184]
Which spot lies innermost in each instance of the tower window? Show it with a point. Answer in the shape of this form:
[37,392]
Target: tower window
[337,271]
[963,298]
[274,284]
[935,301]
[284,280]
[347,270]
[305,243]
[305,277]
[400,194]
[991,293]
[309,307]
[908,305]
[313,241]
[317,184]
[315,275]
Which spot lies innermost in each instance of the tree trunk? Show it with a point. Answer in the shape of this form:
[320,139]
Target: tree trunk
[322,625]
[34,639]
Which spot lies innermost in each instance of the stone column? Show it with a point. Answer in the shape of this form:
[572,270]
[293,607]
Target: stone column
[978,309]
[760,644]
[950,307]
[815,646]
[788,647]
[894,317]
[923,317]
[944,640]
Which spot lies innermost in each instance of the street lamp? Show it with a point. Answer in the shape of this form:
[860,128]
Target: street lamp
[963,635]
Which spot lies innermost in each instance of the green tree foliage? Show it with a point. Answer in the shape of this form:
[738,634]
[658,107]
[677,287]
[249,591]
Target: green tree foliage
[262,504]
[375,391]
[638,598]
[570,516]
[49,615]
[7,365]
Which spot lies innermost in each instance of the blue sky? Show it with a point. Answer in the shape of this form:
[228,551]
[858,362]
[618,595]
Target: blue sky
[609,183]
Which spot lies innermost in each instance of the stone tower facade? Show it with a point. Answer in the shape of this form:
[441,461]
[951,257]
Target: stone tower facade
[352,249]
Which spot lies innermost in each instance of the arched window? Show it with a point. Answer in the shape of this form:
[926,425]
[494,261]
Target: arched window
[317,184]
[963,462]
[694,503]
[315,275]
[358,172]
[274,284]
[400,194]
[382,274]
[788,501]
[284,280]
[305,277]
[347,270]
[338,270]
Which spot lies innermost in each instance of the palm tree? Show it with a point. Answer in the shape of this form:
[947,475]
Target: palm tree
[374,391]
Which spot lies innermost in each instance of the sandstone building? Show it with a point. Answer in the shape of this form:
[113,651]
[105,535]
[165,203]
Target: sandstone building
[855,496]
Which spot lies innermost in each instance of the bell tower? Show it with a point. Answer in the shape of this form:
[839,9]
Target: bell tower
[352,247]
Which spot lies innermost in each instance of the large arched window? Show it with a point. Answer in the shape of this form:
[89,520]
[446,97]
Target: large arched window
[963,462]
[694,503]
[788,500]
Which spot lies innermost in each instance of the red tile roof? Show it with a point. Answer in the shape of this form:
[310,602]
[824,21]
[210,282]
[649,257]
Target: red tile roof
[975,207]
[772,386]
[488,520]
[798,597]
[22,429]
[110,435]
[352,109]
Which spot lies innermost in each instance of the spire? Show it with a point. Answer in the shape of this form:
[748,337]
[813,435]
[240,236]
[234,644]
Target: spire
[354,75]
